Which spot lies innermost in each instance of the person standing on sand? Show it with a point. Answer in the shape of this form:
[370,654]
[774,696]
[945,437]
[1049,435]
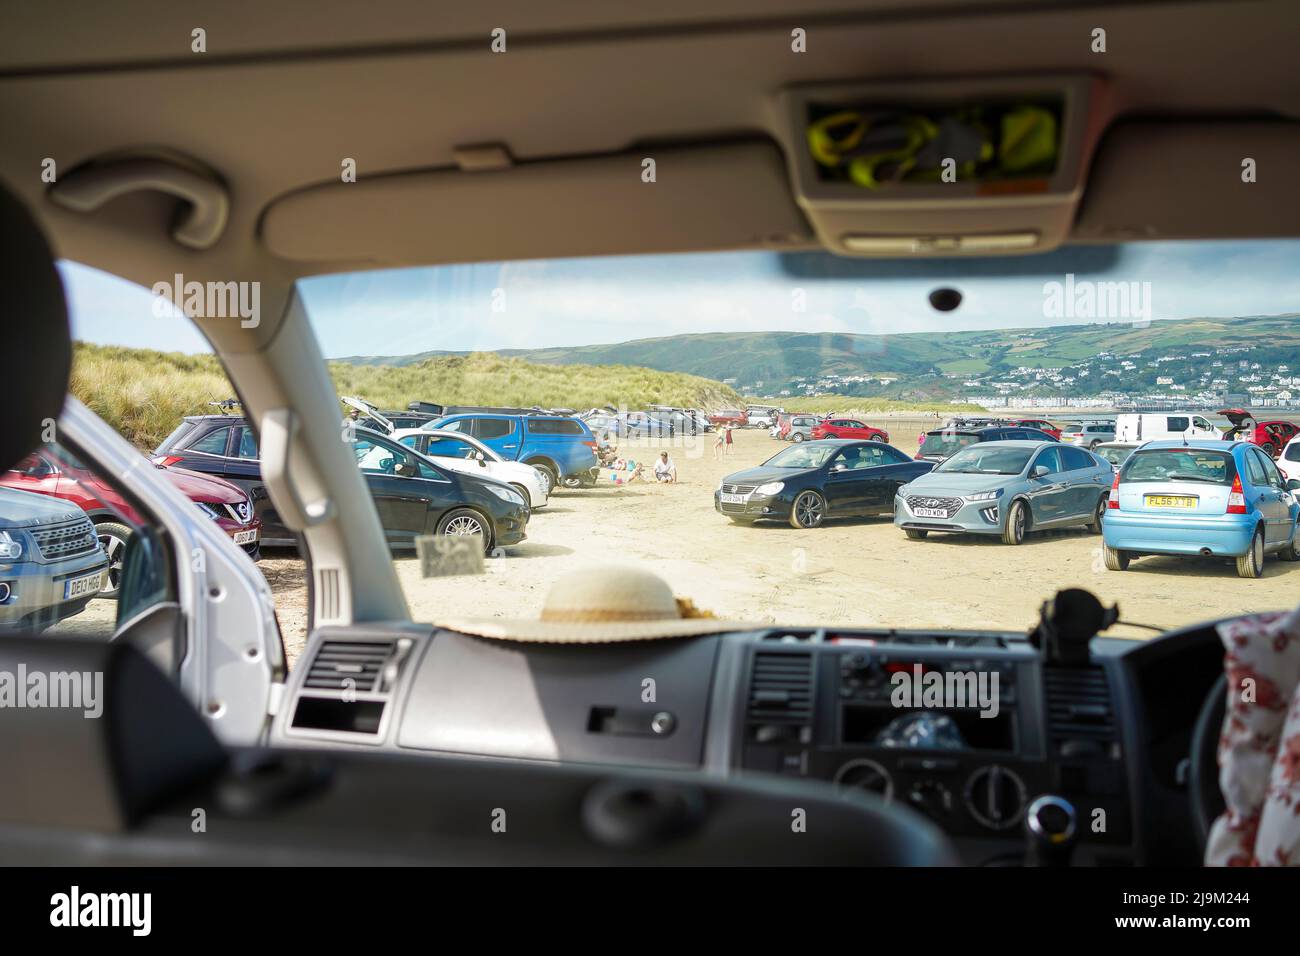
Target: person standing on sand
[728,433]
[717,443]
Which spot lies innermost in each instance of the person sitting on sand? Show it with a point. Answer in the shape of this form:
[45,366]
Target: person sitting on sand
[665,469]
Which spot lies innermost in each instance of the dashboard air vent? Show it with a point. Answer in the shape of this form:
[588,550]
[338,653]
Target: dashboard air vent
[338,661]
[781,689]
[1078,705]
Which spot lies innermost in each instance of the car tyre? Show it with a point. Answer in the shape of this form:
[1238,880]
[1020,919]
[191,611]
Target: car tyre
[879,438]
[916,534]
[1013,532]
[808,510]
[798,436]
[113,537]
[1292,551]
[1115,560]
[551,477]
[466,521]
[1099,515]
[1251,564]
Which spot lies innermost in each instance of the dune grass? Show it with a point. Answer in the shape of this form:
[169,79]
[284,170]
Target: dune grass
[849,405]
[144,393]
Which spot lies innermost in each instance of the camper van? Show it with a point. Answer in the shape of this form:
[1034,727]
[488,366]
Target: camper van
[1159,426]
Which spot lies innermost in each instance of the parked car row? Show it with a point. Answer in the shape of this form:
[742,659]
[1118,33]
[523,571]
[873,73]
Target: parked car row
[1198,497]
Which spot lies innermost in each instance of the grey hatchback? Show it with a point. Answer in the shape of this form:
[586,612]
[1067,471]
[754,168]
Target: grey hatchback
[1007,488]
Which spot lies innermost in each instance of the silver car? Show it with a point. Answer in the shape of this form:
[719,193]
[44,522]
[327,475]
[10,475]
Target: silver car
[1088,434]
[801,427]
[1007,488]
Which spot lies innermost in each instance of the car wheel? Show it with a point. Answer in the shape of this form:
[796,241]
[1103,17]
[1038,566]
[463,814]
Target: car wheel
[808,510]
[548,475]
[916,534]
[523,493]
[1115,560]
[1292,551]
[1092,445]
[1099,515]
[113,538]
[1014,530]
[571,482]
[1251,564]
[798,436]
[466,521]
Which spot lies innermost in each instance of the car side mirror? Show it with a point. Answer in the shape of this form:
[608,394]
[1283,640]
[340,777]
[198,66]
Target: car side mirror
[1039,471]
[143,580]
[837,468]
[482,462]
[405,469]
[1293,484]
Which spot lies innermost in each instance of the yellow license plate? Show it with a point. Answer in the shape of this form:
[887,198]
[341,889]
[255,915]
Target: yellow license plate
[1170,501]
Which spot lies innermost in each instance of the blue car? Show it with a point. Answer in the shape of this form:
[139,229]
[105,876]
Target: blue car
[563,449]
[1201,497]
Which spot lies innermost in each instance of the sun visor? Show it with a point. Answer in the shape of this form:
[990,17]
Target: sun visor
[950,168]
[732,196]
[1193,180]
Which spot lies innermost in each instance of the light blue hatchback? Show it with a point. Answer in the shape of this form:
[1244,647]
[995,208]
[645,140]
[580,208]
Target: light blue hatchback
[1202,497]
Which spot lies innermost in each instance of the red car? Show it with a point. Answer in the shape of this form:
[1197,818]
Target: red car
[735,417]
[1042,424]
[848,428]
[1271,436]
[59,475]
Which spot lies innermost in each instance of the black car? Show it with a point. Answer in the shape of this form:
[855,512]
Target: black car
[942,443]
[412,495]
[815,480]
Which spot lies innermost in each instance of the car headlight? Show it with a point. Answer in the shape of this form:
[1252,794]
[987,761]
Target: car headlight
[985,495]
[11,548]
[771,488]
[208,510]
[506,494]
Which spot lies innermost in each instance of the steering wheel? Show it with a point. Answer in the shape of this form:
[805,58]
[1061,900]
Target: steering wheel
[1203,778]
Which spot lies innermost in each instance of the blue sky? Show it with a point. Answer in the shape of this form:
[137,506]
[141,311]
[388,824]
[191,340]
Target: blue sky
[613,299]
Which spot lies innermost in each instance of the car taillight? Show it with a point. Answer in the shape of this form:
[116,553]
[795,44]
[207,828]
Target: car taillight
[1236,499]
[166,461]
[590,444]
[1113,500]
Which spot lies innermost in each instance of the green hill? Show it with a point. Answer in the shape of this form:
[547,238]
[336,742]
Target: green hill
[915,358]
[144,394]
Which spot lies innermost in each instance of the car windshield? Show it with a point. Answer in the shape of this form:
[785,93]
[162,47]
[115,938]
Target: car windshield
[946,443]
[496,347]
[987,458]
[1114,455]
[801,456]
[1179,464]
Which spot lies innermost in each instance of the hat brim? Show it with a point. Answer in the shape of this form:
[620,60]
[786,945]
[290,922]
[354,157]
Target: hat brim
[590,632]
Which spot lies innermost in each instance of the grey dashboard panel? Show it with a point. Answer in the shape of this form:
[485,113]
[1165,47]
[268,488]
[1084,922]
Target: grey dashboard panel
[643,703]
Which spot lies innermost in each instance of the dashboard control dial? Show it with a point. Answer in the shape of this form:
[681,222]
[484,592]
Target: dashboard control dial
[995,797]
[865,775]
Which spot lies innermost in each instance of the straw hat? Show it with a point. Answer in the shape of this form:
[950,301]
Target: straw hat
[602,605]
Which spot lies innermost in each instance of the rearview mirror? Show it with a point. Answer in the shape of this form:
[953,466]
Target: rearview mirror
[1039,471]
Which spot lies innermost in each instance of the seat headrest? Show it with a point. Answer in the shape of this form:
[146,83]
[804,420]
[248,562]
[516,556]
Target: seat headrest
[35,331]
[93,735]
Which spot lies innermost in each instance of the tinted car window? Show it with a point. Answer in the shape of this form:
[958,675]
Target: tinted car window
[214,442]
[247,444]
[1178,424]
[449,448]
[488,428]
[1179,464]
[1075,458]
[983,458]
[553,426]
[1292,452]
[1255,469]
[1050,459]
[946,443]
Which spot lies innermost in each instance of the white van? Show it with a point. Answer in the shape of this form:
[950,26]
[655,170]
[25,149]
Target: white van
[1154,426]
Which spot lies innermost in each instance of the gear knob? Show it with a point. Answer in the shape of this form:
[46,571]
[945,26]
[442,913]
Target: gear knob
[1050,830]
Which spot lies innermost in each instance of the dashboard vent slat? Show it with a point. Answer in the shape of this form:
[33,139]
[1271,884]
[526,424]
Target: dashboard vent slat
[339,661]
[781,689]
[1078,705]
